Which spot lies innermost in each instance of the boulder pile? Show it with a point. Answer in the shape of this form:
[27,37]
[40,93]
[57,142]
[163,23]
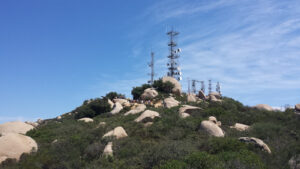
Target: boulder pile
[117,108]
[138,109]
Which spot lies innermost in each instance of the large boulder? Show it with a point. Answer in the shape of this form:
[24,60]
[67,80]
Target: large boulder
[257,142]
[108,151]
[177,85]
[213,98]
[240,127]
[212,128]
[297,107]
[170,102]
[123,102]
[117,132]
[158,104]
[146,115]
[34,124]
[191,97]
[117,108]
[294,162]
[201,95]
[13,145]
[149,93]
[15,127]
[216,94]
[264,107]
[185,110]
[139,108]
[86,120]
[110,103]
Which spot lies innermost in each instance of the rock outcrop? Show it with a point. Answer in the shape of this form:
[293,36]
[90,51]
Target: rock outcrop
[117,108]
[86,119]
[15,127]
[177,85]
[201,95]
[297,107]
[263,107]
[191,97]
[185,110]
[108,151]
[148,114]
[170,102]
[139,108]
[58,117]
[13,145]
[211,126]
[257,142]
[117,132]
[294,162]
[110,103]
[123,102]
[158,104]
[240,127]
[149,93]
[34,124]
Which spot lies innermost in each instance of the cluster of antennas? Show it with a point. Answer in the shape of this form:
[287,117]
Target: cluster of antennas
[194,88]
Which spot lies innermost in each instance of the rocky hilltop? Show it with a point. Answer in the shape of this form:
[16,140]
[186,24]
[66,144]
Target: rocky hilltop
[161,127]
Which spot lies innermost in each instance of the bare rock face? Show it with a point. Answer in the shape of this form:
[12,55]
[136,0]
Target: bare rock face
[264,107]
[110,103]
[139,108]
[34,124]
[15,127]
[86,119]
[170,102]
[149,93]
[240,127]
[147,114]
[13,145]
[177,85]
[108,151]
[191,97]
[158,104]
[294,162]
[213,98]
[216,94]
[297,107]
[212,128]
[58,117]
[185,110]
[117,108]
[257,142]
[117,132]
[123,102]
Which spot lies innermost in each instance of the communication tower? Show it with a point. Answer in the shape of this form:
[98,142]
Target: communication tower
[218,88]
[151,65]
[189,89]
[202,86]
[194,89]
[173,65]
[209,86]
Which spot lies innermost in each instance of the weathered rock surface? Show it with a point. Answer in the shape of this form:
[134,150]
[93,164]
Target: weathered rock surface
[177,85]
[264,107]
[86,119]
[123,102]
[13,145]
[257,142]
[213,98]
[117,132]
[139,108]
[216,94]
[110,103]
[15,127]
[34,124]
[294,162]
[240,127]
[297,107]
[58,117]
[149,93]
[170,102]
[108,151]
[185,110]
[147,114]
[201,95]
[158,104]
[117,108]
[191,97]
[212,128]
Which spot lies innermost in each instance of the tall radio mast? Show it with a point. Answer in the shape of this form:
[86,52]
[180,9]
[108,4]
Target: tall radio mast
[151,65]
[173,65]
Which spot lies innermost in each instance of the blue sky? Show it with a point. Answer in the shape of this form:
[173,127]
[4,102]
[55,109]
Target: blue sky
[55,54]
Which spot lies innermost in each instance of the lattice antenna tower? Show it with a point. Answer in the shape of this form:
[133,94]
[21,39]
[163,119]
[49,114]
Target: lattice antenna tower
[194,89]
[189,87]
[173,65]
[202,86]
[151,65]
[209,86]
[218,88]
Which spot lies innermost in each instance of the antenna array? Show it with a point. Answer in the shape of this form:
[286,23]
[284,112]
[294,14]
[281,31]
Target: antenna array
[151,65]
[173,65]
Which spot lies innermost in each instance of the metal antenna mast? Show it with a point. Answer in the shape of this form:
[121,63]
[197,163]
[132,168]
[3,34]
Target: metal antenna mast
[189,89]
[173,66]
[209,86]
[151,65]
[202,86]
[194,86]
[218,88]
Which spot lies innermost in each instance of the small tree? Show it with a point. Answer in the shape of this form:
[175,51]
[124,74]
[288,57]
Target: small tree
[138,91]
[112,95]
[164,87]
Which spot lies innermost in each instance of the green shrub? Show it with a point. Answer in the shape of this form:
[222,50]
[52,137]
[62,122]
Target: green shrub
[138,91]
[164,87]
[94,108]
[112,95]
